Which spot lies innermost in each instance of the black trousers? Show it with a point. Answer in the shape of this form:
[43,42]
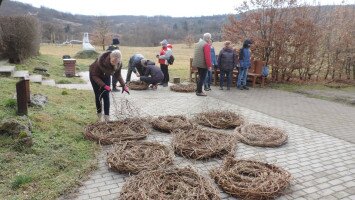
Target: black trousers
[150,80]
[165,70]
[101,94]
[202,72]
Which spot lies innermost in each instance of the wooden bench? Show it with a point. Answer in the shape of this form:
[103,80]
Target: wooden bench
[255,72]
[193,72]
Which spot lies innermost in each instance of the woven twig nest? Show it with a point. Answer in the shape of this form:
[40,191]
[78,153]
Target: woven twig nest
[262,136]
[251,179]
[190,87]
[202,144]
[171,183]
[117,131]
[136,156]
[137,85]
[171,122]
[219,119]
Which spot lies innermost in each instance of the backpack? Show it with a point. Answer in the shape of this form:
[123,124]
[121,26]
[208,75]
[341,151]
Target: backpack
[171,60]
[265,71]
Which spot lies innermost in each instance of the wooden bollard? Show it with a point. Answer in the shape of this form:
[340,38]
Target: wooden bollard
[176,80]
[22,91]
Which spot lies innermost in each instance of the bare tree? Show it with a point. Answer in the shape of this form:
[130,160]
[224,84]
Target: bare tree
[102,31]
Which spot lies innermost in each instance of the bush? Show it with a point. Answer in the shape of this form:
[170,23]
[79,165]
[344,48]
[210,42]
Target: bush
[20,36]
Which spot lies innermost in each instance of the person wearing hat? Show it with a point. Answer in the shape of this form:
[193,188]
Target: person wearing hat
[107,64]
[163,57]
[202,60]
[245,64]
[152,75]
[135,66]
[226,63]
[114,46]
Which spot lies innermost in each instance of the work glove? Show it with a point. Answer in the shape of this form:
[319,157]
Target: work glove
[107,88]
[125,89]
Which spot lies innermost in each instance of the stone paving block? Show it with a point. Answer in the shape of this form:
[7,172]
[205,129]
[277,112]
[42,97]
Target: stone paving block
[99,194]
[336,182]
[110,197]
[341,194]
[94,185]
[107,187]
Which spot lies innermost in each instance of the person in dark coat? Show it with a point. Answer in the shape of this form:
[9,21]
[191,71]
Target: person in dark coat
[114,46]
[226,63]
[153,74]
[107,64]
[135,66]
[245,64]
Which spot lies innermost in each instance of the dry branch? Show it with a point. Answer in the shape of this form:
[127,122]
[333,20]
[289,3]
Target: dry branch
[136,156]
[170,123]
[117,131]
[191,87]
[219,119]
[137,85]
[197,143]
[262,136]
[251,179]
[172,183]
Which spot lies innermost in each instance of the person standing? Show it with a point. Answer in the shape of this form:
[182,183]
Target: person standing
[202,60]
[226,62]
[107,64]
[208,80]
[245,64]
[163,57]
[135,66]
[114,46]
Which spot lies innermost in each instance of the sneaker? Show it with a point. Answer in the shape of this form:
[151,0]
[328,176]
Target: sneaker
[154,87]
[201,94]
[245,87]
[160,83]
[221,88]
[207,89]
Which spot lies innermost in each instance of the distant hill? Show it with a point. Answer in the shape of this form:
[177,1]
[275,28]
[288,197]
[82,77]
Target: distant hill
[133,30]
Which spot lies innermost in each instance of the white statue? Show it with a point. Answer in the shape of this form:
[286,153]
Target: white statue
[86,43]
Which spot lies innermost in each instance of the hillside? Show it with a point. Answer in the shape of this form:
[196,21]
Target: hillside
[133,30]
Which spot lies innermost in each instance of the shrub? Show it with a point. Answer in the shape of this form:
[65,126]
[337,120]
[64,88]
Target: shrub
[20,180]
[10,103]
[20,36]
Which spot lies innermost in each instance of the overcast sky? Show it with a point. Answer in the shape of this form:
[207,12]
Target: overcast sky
[174,8]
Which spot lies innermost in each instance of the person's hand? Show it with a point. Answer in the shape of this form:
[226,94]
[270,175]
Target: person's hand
[125,89]
[137,74]
[107,88]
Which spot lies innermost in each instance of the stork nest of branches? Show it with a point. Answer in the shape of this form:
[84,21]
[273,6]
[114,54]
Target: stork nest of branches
[136,156]
[248,179]
[201,144]
[190,87]
[117,131]
[137,85]
[170,123]
[171,183]
[219,119]
[262,136]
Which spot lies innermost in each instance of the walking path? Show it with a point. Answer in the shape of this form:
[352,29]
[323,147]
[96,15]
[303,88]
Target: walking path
[320,153]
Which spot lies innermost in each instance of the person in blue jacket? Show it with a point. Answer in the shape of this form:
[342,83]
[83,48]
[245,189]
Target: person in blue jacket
[245,64]
[135,66]
[208,80]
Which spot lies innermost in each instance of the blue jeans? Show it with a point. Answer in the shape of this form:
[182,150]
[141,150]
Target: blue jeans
[242,77]
[228,73]
[208,79]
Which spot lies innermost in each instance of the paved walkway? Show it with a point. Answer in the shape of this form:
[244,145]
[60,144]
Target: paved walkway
[323,166]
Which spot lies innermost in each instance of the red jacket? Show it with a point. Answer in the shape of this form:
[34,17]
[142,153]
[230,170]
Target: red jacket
[162,52]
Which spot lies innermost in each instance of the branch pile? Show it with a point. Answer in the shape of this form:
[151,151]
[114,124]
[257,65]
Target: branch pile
[117,131]
[136,156]
[219,119]
[191,87]
[171,183]
[251,179]
[137,85]
[170,123]
[262,136]
[202,144]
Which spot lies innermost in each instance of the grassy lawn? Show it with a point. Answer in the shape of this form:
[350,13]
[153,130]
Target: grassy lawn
[60,156]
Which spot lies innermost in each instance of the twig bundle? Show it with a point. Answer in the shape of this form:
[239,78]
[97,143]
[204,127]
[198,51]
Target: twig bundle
[251,179]
[202,144]
[219,119]
[190,87]
[170,123]
[171,183]
[137,85]
[262,136]
[135,156]
[116,131]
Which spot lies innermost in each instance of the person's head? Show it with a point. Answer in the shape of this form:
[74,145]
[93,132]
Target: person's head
[115,57]
[228,44]
[247,43]
[207,37]
[115,41]
[144,62]
[164,43]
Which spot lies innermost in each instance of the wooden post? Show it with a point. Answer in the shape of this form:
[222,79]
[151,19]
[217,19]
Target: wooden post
[22,102]
[176,80]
